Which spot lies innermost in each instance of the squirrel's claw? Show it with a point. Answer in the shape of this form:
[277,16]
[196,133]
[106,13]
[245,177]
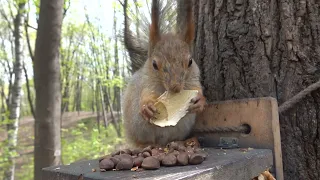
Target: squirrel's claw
[198,104]
[148,111]
[194,108]
[144,116]
[195,99]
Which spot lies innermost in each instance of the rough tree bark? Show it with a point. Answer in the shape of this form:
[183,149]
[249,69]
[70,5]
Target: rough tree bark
[47,83]
[16,92]
[261,48]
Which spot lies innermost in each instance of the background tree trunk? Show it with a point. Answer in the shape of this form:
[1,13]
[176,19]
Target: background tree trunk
[78,94]
[116,73]
[103,108]
[30,98]
[97,104]
[48,89]
[3,102]
[261,48]
[15,98]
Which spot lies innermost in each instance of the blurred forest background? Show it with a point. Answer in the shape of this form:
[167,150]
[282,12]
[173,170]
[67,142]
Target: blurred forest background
[94,64]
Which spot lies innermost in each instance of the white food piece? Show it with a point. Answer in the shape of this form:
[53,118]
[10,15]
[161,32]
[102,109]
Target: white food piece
[172,107]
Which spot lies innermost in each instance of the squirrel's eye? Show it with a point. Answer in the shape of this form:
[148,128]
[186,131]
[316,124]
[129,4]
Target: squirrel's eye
[190,62]
[154,63]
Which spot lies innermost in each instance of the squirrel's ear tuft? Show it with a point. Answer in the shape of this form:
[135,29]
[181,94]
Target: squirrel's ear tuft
[189,24]
[154,36]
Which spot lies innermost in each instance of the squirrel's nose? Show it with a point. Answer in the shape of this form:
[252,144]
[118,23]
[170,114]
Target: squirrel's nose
[176,88]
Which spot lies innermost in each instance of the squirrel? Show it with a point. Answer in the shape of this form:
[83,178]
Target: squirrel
[169,67]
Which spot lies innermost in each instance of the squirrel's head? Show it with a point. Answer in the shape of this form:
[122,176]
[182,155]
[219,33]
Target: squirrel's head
[170,57]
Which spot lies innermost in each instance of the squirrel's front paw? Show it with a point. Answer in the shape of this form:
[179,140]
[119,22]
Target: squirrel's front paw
[148,110]
[198,104]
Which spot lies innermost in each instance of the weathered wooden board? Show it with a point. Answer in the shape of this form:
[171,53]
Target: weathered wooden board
[220,164]
[261,114]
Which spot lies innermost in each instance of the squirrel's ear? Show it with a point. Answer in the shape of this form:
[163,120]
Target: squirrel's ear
[189,24]
[154,36]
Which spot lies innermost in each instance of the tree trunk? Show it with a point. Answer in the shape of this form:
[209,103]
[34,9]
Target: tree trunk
[48,88]
[124,68]
[96,96]
[66,69]
[261,48]
[116,89]
[66,95]
[93,99]
[3,102]
[115,124]
[30,99]
[76,91]
[14,106]
[79,93]
[103,108]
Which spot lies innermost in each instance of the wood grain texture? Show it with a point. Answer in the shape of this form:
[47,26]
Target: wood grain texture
[261,114]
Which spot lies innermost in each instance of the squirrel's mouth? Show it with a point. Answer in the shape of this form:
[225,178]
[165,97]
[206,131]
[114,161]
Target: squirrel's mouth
[176,88]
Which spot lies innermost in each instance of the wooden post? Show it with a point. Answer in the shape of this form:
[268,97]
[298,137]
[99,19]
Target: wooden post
[261,114]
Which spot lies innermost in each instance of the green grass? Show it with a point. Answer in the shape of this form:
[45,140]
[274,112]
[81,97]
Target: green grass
[80,142]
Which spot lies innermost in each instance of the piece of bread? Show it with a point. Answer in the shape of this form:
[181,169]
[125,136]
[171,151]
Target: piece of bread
[172,107]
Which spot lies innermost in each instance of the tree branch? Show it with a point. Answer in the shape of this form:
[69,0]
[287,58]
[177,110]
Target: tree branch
[3,14]
[11,13]
[65,9]
[31,26]
[122,4]
[3,100]
[10,71]
[28,39]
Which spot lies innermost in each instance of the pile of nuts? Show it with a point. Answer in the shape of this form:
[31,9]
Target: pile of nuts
[150,158]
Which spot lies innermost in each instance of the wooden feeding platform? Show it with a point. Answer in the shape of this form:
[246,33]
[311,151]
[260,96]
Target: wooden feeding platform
[241,137]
